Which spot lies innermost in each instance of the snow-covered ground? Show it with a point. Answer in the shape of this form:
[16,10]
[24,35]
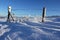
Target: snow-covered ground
[30,29]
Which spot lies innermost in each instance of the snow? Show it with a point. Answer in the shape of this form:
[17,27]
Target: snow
[30,28]
[3,29]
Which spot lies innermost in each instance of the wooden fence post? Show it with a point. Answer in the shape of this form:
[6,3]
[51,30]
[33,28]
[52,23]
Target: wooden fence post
[43,14]
[9,14]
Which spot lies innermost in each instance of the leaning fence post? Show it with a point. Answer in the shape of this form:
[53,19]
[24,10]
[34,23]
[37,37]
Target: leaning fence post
[9,14]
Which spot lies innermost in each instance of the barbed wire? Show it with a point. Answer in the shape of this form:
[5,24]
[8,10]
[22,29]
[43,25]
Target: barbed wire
[24,9]
[35,9]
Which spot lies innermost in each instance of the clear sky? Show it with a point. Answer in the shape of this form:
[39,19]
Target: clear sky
[30,7]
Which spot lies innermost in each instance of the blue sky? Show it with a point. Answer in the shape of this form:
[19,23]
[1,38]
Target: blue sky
[31,7]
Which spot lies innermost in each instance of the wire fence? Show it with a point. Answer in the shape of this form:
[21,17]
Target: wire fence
[31,11]
[37,12]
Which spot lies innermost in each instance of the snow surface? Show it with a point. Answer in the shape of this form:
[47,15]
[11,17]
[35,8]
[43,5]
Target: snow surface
[30,29]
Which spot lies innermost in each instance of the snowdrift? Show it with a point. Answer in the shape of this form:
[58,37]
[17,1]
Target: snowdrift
[30,29]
